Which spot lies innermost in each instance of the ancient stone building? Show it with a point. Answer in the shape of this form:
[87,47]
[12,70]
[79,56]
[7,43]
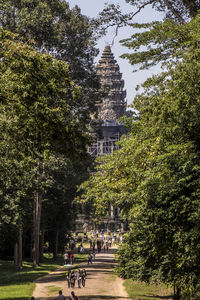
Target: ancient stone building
[112,106]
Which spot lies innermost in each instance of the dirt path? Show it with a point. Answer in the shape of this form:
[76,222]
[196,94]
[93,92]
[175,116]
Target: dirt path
[101,282]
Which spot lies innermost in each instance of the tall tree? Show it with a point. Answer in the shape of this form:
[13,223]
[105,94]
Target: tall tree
[155,42]
[52,27]
[39,112]
[154,177]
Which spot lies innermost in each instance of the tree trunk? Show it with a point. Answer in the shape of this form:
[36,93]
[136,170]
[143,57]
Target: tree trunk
[177,293]
[31,248]
[56,245]
[42,245]
[37,219]
[20,249]
[36,227]
[16,255]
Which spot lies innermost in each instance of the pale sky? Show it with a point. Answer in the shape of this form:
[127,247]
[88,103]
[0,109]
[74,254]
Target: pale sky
[91,8]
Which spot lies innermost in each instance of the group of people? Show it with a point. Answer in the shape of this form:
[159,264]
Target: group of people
[78,275]
[68,258]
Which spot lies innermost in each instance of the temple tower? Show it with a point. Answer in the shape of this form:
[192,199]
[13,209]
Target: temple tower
[112,106]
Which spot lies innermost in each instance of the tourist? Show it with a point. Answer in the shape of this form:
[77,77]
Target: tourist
[72,279]
[82,249]
[71,258]
[83,277]
[68,277]
[107,246]
[94,243]
[99,246]
[89,258]
[73,296]
[78,277]
[60,296]
[94,254]
[66,257]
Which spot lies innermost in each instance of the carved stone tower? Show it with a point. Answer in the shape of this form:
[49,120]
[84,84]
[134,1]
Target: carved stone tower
[111,108]
[113,105]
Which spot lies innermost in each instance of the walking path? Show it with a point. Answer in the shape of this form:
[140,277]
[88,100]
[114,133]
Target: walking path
[101,282]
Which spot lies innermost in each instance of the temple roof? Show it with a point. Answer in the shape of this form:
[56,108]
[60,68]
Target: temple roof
[113,105]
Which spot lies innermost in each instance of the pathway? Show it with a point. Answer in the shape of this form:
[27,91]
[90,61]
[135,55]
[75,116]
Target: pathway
[101,282]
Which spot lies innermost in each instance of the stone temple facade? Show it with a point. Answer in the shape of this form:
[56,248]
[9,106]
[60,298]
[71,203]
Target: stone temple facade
[112,106]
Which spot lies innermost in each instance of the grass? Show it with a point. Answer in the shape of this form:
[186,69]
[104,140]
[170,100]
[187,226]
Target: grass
[80,258]
[142,291]
[19,285]
[53,289]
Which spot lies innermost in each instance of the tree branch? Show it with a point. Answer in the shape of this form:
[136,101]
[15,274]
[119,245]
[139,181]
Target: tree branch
[174,11]
[191,7]
[129,17]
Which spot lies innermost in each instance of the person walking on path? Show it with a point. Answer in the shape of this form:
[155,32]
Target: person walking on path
[71,258]
[66,257]
[73,296]
[83,277]
[60,296]
[94,244]
[78,277]
[93,254]
[72,279]
[68,277]
[107,246]
[89,258]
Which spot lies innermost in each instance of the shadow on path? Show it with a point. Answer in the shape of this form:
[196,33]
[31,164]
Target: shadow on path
[89,297]
[102,265]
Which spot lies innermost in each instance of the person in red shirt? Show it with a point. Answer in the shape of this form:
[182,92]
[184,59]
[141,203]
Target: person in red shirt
[71,258]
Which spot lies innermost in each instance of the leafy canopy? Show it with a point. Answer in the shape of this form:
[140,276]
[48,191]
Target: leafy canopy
[154,177]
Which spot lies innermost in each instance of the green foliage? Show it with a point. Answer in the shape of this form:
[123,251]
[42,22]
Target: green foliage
[180,10]
[143,291]
[160,42]
[51,27]
[11,279]
[41,120]
[38,96]
[156,42]
[154,177]
[59,213]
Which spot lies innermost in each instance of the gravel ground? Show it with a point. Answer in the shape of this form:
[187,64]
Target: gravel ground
[101,282]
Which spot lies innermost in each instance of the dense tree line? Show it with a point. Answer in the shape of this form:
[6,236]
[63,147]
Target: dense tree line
[154,176]
[47,79]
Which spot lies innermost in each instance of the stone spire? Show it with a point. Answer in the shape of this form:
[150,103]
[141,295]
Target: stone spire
[113,105]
